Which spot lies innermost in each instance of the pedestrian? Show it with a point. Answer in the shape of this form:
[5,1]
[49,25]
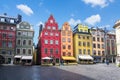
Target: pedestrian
[107,62]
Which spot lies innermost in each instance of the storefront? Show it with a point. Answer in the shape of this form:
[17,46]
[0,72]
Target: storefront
[85,59]
[26,60]
[69,60]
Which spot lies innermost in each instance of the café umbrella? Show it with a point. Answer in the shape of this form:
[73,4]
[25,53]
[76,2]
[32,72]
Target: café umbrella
[47,58]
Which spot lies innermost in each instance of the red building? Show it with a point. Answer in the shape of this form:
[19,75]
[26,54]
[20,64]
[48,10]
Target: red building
[8,37]
[49,42]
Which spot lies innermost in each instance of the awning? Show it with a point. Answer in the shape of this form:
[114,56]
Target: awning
[46,58]
[17,56]
[85,57]
[68,58]
[27,57]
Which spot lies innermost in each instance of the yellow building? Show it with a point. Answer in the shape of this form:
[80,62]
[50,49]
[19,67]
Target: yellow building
[82,41]
[67,44]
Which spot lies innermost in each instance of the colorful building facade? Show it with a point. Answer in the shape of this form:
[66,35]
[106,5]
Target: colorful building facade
[111,46]
[99,44]
[49,42]
[67,44]
[117,32]
[8,38]
[24,44]
[82,39]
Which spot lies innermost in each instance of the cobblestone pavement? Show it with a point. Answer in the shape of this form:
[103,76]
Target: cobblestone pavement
[96,71]
[72,72]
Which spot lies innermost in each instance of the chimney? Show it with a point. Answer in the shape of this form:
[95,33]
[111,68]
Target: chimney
[19,18]
[40,28]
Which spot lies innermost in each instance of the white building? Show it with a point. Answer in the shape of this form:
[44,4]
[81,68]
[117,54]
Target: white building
[117,32]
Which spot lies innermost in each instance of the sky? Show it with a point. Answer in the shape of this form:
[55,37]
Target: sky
[93,13]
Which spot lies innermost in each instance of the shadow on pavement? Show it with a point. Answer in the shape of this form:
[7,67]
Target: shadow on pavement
[38,73]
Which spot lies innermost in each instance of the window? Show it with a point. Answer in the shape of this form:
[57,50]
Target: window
[69,33]
[63,39]
[53,28]
[88,51]
[94,52]
[4,44]
[48,27]
[79,43]
[51,51]
[19,33]
[3,52]
[69,53]
[10,52]
[29,51]
[10,35]
[94,45]
[64,54]
[112,43]
[56,51]
[46,33]
[30,34]
[45,50]
[29,42]
[4,35]
[69,40]
[84,44]
[51,41]
[98,52]
[64,47]
[80,51]
[102,39]
[24,42]
[87,37]
[103,46]
[46,41]
[69,47]
[51,34]
[18,51]
[24,51]
[56,34]
[93,38]
[98,39]
[2,19]
[24,33]
[10,44]
[103,53]
[84,51]
[18,42]
[88,44]
[56,42]
[98,45]
[12,21]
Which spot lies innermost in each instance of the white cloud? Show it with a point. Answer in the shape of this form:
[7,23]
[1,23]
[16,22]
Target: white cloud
[92,20]
[101,3]
[25,9]
[73,22]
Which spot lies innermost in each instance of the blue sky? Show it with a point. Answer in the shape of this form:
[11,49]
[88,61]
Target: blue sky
[94,13]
